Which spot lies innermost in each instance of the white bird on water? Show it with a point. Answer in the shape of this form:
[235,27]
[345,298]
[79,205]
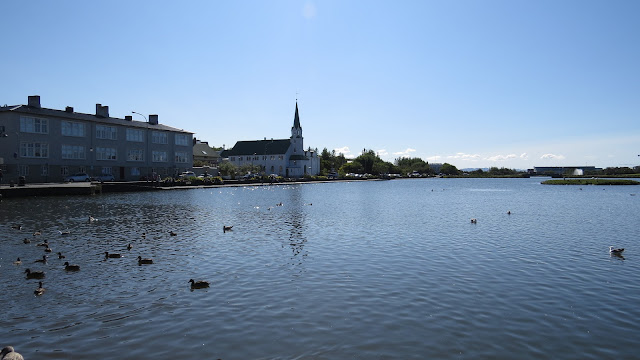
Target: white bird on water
[615,251]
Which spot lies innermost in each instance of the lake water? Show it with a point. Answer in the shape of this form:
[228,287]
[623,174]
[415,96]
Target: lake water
[344,270]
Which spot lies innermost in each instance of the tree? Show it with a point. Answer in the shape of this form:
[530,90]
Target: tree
[227,169]
[409,165]
[449,169]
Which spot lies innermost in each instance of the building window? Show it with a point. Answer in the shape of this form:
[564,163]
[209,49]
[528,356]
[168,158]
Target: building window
[181,157]
[106,132]
[23,170]
[159,156]
[75,152]
[232,158]
[272,157]
[182,139]
[135,155]
[135,171]
[106,154]
[44,170]
[82,169]
[30,124]
[72,129]
[64,170]
[240,158]
[280,157]
[34,150]
[135,135]
[106,170]
[158,137]
[272,168]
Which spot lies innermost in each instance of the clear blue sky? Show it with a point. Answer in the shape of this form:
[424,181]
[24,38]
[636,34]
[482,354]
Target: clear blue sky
[473,83]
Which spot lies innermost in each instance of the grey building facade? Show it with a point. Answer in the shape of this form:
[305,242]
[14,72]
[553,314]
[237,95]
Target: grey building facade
[46,145]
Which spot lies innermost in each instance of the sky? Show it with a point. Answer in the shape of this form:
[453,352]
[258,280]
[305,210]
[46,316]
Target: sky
[511,83]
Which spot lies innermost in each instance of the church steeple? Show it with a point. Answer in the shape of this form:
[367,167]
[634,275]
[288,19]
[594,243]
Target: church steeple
[296,119]
[296,130]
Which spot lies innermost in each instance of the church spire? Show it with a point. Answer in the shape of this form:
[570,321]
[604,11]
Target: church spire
[296,119]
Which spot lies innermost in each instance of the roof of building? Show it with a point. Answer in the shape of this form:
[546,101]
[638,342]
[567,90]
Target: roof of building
[88,117]
[202,149]
[258,147]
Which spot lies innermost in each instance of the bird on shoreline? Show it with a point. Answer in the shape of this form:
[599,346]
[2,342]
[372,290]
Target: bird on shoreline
[40,290]
[144,261]
[615,251]
[34,274]
[71,267]
[199,284]
[8,353]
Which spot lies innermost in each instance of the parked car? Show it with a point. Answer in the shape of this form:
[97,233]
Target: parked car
[187,174]
[104,177]
[78,177]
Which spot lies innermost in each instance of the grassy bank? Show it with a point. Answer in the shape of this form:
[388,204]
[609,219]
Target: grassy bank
[590,182]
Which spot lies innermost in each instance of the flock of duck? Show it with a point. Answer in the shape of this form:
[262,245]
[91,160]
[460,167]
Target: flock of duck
[40,274]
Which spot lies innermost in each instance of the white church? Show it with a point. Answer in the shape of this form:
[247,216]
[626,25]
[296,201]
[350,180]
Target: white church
[283,157]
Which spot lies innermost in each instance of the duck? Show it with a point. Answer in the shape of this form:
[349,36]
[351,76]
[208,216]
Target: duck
[199,284]
[71,267]
[172,233]
[474,221]
[60,256]
[111,255]
[129,247]
[40,290]
[144,235]
[48,250]
[144,261]
[44,243]
[43,260]
[92,219]
[16,227]
[66,232]
[615,251]
[226,228]
[34,274]
[508,212]
[8,353]
[26,241]
[17,262]
[37,233]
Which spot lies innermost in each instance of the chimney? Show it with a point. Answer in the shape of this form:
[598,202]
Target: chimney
[34,101]
[153,119]
[102,111]
[128,117]
[69,109]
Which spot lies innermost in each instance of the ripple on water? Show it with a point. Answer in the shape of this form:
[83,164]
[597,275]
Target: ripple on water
[370,270]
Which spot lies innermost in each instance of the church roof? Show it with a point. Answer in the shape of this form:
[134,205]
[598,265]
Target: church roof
[258,147]
[296,119]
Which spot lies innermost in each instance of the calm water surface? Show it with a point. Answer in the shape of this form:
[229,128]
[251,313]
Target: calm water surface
[352,270]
